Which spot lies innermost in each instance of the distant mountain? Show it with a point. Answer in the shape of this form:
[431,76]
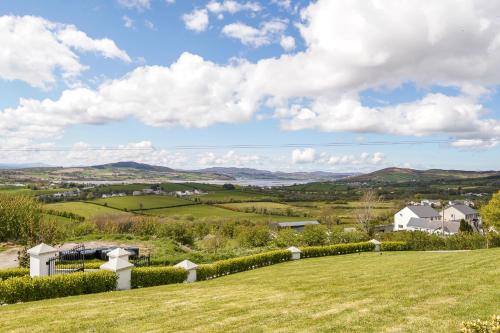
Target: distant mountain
[23,165]
[394,175]
[248,173]
[133,165]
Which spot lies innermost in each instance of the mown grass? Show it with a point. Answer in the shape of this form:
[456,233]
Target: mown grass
[142,202]
[84,209]
[392,292]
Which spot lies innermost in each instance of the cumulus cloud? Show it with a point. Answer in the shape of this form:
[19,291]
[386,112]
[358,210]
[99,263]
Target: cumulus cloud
[362,159]
[197,20]
[255,37]
[34,49]
[139,5]
[287,43]
[231,6]
[286,4]
[307,155]
[231,158]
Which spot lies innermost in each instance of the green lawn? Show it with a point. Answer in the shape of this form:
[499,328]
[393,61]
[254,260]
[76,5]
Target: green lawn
[393,292]
[207,211]
[84,209]
[147,201]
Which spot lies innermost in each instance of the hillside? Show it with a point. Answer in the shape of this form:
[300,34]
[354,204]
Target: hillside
[248,173]
[392,175]
[351,293]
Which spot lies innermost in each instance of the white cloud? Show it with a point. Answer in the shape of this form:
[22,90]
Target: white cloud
[248,35]
[361,159]
[232,6]
[34,49]
[148,24]
[197,20]
[286,4]
[139,5]
[475,143]
[231,158]
[287,43]
[128,22]
[307,155]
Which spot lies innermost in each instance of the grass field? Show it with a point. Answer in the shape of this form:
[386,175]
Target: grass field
[84,209]
[207,211]
[147,202]
[232,196]
[393,292]
[269,206]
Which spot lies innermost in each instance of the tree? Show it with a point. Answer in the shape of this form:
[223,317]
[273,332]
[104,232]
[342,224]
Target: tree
[315,234]
[465,227]
[228,186]
[365,212]
[490,214]
[287,237]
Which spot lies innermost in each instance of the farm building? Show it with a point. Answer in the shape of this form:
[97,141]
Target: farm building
[297,226]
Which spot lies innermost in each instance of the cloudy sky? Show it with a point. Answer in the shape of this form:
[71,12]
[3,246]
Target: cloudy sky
[334,85]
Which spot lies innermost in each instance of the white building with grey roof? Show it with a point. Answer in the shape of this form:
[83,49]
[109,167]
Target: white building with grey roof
[402,218]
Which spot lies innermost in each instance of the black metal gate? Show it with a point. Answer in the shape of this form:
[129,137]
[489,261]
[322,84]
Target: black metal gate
[140,261]
[68,261]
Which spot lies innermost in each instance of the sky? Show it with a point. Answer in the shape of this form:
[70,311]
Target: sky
[292,85]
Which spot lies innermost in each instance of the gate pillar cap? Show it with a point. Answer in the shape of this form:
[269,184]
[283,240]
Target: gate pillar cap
[374,241]
[42,249]
[187,265]
[119,253]
[294,249]
[116,265]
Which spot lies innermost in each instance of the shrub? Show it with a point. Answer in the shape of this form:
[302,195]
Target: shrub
[288,237]
[330,250]
[393,246]
[157,276]
[256,236]
[480,326]
[25,288]
[235,265]
[338,237]
[315,235]
[13,272]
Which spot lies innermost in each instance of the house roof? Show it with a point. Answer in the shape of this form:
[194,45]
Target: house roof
[464,209]
[423,211]
[296,224]
[449,226]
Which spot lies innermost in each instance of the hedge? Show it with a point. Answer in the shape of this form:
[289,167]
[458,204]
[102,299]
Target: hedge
[235,265]
[13,272]
[331,250]
[480,326]
[394,246]
[25,288]
[157,276]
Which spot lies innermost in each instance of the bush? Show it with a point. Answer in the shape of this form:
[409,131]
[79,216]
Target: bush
[315,235]
[13,272]
[25,288]
[256,236]
[331,250]
[288,237]
[393,246]
[157,276]
[480,326]
[235,265]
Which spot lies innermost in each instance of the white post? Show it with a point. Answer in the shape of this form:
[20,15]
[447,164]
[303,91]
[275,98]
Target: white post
[377,245]
[118,263]
[39,255]
[190,267]
[295,252]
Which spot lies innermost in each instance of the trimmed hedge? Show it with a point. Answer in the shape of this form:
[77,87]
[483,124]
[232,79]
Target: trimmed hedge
[480,326]
[157,276]
[331,250]
[394,246]
[13,272]
[235,265]
[25,288]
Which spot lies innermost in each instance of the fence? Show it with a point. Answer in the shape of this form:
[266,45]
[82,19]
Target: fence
[67,262]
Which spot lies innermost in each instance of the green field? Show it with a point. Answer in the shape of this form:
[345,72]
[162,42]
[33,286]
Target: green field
[232,196]
[393,292]
[84,209]
[207,211]
[276,207]
[142,202]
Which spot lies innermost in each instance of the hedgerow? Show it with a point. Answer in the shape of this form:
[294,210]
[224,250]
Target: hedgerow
[157,276]
[235,265]
[331,250]
[394,246]
[13,272]
[481,326]
[25,288]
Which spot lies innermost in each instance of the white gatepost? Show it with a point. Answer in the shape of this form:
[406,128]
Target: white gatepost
[39,256]
[118,263]
[377,244]
[190,267]
[295,252]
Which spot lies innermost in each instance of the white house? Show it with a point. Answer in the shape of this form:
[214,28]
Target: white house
[434,226]
[402,217]
[460,212]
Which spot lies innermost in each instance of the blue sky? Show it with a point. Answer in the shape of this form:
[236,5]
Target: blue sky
[150,76]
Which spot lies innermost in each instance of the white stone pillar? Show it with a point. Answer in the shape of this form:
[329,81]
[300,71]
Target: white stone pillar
[295,252]
[190,267]
[377,244]
[118,263]
[39,256]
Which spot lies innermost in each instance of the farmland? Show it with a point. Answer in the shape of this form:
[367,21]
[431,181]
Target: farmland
[351,293]
[132,203]
[233,196]
[84,209]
